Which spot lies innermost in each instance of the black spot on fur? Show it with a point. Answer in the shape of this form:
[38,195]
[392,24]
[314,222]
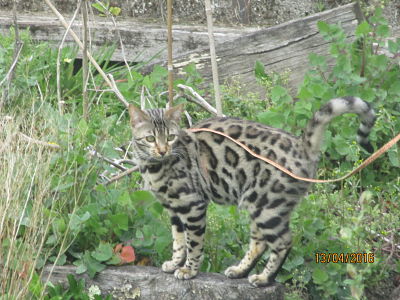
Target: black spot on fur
[264,177]
[271,223]
[234,131]
[212,159]
[275,138]
[177,222]
[231,157]
[253,197]
[252,132]
[277,202]
[214,177]
[154,168]
[256,169]
[241,178]
[225,185]
[218,138]
[277,187]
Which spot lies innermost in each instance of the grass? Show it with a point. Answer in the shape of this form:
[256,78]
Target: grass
[25,206]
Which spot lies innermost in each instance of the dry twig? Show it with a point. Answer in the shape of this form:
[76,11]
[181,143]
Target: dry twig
[85,65]
[214,65]
[196,98]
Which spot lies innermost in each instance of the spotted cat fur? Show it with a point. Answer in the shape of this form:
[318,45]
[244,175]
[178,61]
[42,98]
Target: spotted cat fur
[187,170]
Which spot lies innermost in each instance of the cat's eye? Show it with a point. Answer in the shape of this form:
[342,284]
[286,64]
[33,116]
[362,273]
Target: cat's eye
[150,138]
[171,137]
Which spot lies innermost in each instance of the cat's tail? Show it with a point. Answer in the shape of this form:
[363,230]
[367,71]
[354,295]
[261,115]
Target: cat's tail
[313,134]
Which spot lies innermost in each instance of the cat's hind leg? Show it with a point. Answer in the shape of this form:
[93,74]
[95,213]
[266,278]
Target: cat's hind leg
[280,243]
[256,249]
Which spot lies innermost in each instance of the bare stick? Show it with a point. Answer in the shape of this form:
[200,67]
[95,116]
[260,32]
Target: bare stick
[12,67]
[119,176]
[196,98]
[170,66]
[58,65]
[214,65]
[85,65]
[90,57]
[38,142]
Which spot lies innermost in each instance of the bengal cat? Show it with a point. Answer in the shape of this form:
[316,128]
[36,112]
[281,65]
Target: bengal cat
[187,170]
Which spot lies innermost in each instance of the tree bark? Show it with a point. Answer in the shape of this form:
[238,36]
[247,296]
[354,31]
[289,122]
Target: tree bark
[150,283]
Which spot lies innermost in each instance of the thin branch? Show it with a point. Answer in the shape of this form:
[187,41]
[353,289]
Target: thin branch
[12,67]
[196,98]
[90,57]
[170,65]
[85,65]
[214,65]
[38,142]
[17,50]
[94,153]
[125,173]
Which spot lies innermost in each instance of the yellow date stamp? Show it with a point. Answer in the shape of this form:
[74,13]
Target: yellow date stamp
[352,258]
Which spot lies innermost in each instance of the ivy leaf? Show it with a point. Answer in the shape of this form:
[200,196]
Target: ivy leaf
[259,70]
[320,276]
[363,29]
[103,252]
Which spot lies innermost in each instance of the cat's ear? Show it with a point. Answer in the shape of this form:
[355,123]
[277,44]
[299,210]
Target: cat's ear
[175,113]
[137,115]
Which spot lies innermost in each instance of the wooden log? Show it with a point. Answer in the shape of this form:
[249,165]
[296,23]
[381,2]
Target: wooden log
[142,41]
[280,48]
[150,283]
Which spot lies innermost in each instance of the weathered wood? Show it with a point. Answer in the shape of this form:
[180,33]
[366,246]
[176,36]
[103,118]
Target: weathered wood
[279,48]
[142,41]
[150,283]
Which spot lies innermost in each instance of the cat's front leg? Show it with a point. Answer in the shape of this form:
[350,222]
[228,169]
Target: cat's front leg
[178,247]
[194,220]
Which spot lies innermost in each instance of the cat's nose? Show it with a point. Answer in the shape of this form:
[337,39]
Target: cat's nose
[162,153]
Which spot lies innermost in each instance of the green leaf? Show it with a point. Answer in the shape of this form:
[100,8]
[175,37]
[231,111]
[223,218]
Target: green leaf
[271,118]
[103,252]
[320,276]
[383,30]
[394,157]
[93,266]
[115,11]
[363,29]
[393,46]
[323,27]
[142,196]
[259,70]
[280,95]
[317,60]
[120,221]
[99,7]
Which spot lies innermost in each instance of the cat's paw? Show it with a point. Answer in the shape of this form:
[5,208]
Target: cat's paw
[235,272]
[169,266]
[259,280]
[185,273]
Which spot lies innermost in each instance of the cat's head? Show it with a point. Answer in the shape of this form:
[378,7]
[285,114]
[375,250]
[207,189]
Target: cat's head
[154,131]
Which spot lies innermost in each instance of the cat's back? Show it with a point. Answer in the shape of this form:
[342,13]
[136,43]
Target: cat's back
[235,170]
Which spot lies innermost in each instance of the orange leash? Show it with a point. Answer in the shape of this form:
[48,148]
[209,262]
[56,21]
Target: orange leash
[368,161]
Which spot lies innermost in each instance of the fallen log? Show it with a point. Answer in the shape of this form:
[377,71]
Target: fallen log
[142,41]
[280,48]
[150,283]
